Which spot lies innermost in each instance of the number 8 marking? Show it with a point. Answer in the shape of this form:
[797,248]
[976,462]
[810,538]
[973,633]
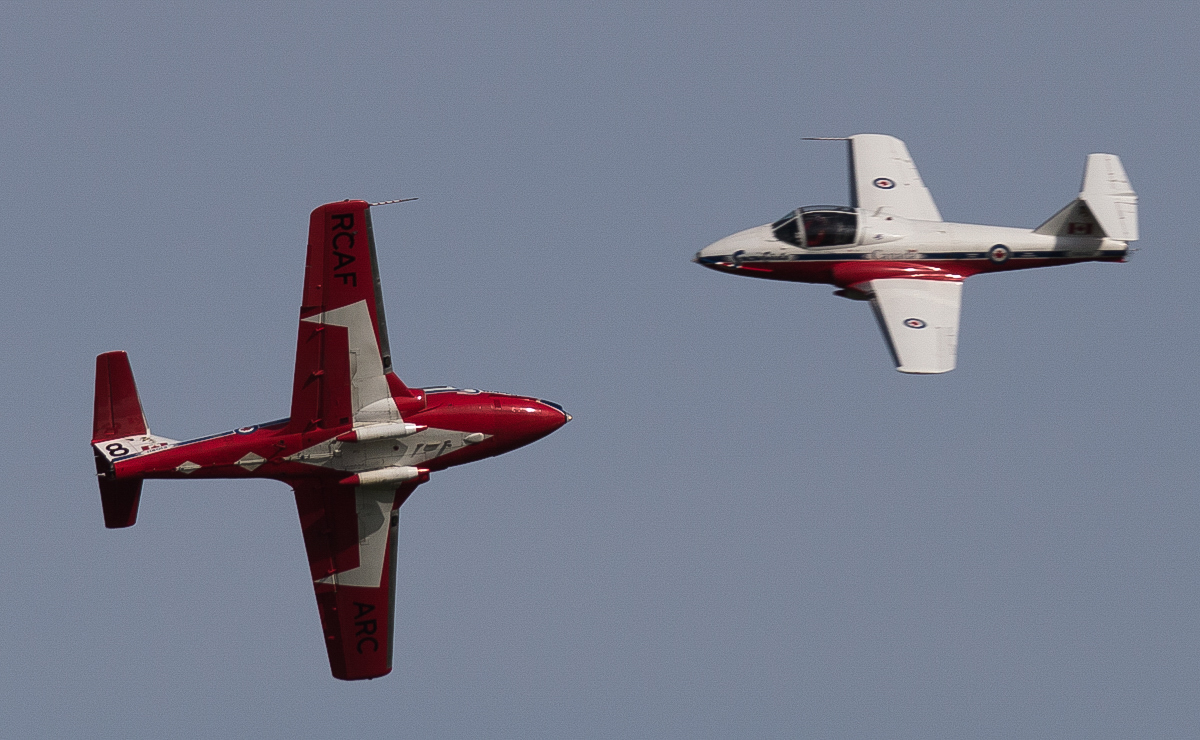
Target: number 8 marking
[116,449]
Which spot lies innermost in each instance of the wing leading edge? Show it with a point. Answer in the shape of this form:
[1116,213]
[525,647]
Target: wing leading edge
[919,319]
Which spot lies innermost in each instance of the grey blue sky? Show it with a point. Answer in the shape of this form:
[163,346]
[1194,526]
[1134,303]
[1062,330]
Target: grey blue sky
[754,527]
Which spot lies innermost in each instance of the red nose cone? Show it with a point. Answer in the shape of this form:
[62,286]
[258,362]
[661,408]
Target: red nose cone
[520,421]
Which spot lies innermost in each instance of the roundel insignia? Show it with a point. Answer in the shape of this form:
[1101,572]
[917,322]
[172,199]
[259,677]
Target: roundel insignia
[247,430]
[998,253]
[914,323]
[884,183]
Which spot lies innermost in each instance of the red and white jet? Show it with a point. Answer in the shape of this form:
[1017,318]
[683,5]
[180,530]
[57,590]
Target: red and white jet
[358,441]
[891,246]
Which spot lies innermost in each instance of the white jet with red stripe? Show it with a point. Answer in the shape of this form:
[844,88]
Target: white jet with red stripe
[891,247]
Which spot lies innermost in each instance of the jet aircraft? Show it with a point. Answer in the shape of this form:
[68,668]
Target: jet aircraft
[356,445]
[892,248]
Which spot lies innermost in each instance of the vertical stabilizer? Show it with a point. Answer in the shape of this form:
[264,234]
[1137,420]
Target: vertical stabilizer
[118,411]
[1107,192]
[117,414]
[120,499]
[1106,206]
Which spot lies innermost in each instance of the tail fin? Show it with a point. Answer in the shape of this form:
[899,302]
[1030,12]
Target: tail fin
[118,414]
[1106,206]
[120,499]
[118,411]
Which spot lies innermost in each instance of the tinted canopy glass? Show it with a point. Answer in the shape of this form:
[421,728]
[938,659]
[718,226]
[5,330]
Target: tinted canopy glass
[786,229]
[824,226]
[829,226]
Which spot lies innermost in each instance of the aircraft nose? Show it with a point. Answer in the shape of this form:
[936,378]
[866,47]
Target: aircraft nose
[553,417]
[520,421]
[716,252]
[731,248]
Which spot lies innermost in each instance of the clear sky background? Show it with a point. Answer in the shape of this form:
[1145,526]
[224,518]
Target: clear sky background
[754,527]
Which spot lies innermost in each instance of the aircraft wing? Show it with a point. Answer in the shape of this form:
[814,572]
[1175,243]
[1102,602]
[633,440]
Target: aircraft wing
[343,364]
[350,537]
[884,177]
[919,319]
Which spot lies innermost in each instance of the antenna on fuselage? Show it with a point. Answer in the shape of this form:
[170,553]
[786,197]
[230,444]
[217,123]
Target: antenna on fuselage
[850,154]
[389,202]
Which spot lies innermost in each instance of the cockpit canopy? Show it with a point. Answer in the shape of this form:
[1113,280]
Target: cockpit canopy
[824,226]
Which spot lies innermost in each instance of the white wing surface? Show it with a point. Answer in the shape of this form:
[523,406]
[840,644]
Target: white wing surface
[919,319]
[885,178]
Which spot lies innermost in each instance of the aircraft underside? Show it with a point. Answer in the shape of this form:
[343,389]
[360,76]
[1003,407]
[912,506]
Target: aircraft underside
[818,268]
[356,445]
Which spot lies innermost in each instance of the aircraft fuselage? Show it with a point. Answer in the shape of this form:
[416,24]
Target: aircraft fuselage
[914,248]
[452,427]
